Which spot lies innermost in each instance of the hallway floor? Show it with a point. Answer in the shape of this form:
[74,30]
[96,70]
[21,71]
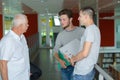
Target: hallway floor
[46,62]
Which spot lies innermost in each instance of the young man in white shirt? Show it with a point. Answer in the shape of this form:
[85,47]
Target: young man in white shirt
[14,54]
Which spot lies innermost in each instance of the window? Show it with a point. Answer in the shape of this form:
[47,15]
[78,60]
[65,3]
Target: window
[56,21]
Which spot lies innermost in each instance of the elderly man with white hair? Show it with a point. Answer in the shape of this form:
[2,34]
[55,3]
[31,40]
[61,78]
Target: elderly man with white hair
[14,54]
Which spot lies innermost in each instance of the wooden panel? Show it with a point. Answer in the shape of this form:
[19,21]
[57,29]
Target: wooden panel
[75,19]
[27,10]
[114,72]
[72,4]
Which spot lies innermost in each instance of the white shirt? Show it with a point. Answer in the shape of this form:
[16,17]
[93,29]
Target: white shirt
[14,49]
[84,66]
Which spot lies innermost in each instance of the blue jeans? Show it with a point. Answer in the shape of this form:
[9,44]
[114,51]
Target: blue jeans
[67,73]
[89,76]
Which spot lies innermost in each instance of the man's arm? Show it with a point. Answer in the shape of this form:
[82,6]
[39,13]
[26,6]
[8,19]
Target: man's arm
[3,69]
[82,54]
[61,61]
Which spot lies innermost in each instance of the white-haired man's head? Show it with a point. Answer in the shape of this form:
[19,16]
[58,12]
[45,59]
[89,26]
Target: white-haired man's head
[20,24]
[18,20]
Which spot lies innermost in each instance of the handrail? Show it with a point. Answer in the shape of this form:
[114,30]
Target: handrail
[103,73]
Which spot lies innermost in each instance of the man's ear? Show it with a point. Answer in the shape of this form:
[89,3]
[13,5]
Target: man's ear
[86,16]
[71,19]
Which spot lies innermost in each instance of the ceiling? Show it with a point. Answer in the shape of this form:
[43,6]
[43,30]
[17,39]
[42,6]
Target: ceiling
[54,6]
[51,6]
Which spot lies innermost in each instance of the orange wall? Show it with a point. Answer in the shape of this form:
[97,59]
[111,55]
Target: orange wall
[107,30]
[33,24]
[1,26]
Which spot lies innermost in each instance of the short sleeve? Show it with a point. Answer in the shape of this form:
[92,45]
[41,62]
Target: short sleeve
[57,43]
[6,50]
[89,35]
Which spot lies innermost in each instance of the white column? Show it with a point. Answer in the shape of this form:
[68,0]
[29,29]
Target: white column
[47,32]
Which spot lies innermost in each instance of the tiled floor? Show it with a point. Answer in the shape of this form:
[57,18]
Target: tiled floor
[46,62]
[44,59]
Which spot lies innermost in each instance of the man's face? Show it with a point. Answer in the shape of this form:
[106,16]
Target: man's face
[82,18]
[25,26]
[65,21]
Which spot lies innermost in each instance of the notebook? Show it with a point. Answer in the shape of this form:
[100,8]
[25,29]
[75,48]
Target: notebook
[70,49]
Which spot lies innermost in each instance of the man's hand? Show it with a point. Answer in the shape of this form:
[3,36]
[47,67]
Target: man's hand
[66,57]
[72,61]
[30,73]
[63,64]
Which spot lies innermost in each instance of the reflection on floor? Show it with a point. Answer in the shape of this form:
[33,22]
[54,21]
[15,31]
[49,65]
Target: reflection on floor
[46,62]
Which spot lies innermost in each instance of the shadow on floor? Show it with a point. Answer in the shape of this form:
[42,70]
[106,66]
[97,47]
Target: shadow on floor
[44,59]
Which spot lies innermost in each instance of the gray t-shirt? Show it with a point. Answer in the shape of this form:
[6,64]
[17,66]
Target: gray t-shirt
[84,66]
[65,37]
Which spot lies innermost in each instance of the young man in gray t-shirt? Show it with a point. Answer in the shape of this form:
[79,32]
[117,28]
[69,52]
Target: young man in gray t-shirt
[89,47]
[69,33]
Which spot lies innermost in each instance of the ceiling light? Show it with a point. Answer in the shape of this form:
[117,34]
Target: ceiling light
[118,1]
[43,1]
[3,3]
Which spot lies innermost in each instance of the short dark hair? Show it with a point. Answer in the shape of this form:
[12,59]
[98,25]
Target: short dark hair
[67,12]
[88,10]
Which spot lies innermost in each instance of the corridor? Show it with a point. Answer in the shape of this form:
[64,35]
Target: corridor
[44,59]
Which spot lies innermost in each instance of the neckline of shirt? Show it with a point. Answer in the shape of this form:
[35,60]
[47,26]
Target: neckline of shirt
[15,35]
[71,30]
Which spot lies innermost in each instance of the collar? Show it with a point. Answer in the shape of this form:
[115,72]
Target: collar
[15,35]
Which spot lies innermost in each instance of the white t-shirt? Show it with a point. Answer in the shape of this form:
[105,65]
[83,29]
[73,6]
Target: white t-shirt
[84,66]
[14,49]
